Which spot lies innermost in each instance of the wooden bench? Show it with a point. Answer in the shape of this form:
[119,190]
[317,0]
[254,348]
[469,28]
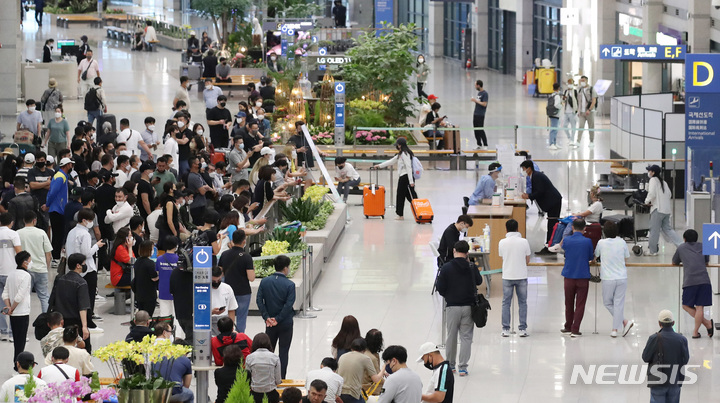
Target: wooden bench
[479,152]
[119,298]
[115,19]
[65,20]
[239,81]
[355,151]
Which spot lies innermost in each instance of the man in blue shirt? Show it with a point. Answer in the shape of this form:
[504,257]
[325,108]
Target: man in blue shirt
[275,299]
[578,254]
[486,185]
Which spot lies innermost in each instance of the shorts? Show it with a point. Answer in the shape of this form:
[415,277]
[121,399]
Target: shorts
[697,295]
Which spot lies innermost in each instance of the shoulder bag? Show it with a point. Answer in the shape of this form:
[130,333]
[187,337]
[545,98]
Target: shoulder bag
[481,306]
[84,73]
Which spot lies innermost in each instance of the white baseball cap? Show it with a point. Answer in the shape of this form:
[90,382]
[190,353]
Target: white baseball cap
[50,160]
[427,348]
[65,161]
[265,151]
[29,158]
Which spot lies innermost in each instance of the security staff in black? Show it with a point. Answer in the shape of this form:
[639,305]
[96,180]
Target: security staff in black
[546,196]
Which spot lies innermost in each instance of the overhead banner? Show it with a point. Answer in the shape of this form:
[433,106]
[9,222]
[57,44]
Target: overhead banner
[384,12]
[648,53]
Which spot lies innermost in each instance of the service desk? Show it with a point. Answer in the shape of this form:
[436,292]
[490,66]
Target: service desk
[65,73]
[519,213]
[495,218]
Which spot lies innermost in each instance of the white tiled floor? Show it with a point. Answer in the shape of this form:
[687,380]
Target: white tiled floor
[382,270]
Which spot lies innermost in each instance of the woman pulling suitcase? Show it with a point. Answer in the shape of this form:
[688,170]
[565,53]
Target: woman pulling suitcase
[406,182]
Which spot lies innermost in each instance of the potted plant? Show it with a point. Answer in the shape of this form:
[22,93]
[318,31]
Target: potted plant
[131,366]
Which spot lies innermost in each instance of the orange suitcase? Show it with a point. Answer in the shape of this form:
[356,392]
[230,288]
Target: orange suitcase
[422,210]
[374,200]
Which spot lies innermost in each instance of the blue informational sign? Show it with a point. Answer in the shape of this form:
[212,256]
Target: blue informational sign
[702,117]
[202,266]
[339,104]
[322,51]
[384,12]
[650,53]
[284,46]
[711,239]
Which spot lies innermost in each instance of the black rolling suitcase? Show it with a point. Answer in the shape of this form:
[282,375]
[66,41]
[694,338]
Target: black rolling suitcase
[108,117]
[624,223]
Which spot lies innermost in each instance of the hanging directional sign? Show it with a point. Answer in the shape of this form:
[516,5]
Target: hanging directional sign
[711,239]
[650,53]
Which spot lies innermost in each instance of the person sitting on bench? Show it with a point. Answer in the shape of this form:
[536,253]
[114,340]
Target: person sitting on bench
[346,176]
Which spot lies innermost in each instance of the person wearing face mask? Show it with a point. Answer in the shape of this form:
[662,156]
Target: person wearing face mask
[119,216]
[47,50]
[223,72]
[346,176]
[406,181]
[16,295]
[252,138]
[30,119]
[659,198]
[182,92]
[58,196]
[273,64]
[51,99]
[58,136]
[79,241]
[87,71]
[224,303]
[267,92]
[547,197]
[441,387]
[122,258]
[451,236]
[587,101]
[570,109]
[211,94]
[239,160]
[162,175]
[182,137]
[146,279]
[219,119]
[422,76]
[149,137]
[36,242]
[402,385]
[486,185]
[263,122]
[256,103]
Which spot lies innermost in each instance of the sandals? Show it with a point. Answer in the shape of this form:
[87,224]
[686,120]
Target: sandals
[711,329]
[696,336]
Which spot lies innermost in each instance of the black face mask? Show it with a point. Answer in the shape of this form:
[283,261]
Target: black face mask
[40,165]
[216,284]
[222,104]
[388,370]
[429,365]
[84,268]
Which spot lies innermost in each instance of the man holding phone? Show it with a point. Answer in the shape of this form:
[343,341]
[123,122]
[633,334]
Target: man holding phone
[481,102]
[223,300]
[433,120]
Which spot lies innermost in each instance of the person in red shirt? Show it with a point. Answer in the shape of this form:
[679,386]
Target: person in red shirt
[229,337]
[122,258]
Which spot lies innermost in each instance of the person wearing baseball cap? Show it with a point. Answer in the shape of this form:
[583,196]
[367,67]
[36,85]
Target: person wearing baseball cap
[486,185]
[659,198]
[442,383]
[23,363]
[669,349]
[57,199]
[28,162]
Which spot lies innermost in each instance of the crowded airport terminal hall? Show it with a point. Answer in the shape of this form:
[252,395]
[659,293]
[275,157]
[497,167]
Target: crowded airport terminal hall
[351,201]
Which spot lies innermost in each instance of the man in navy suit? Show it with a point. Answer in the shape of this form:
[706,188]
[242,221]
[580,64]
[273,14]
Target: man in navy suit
[546,195]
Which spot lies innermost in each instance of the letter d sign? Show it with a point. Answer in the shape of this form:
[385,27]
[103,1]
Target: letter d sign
[710,73]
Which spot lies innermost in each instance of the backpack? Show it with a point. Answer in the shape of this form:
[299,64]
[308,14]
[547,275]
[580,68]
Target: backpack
[551,109]
[479,311]
[417,168]
[185,251]
[92,102]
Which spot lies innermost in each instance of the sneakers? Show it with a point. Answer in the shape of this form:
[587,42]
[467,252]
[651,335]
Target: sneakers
[96,330]
[463,372]
[591,145]
[628,326]
[505,333]
[484,148]
[573,335]
[557,248]
[648,253]
[553,147]
[574,144]
[565,331]
[96,318]
[544,251]
[523,333]
[100,298]
[613,333]
[478,148]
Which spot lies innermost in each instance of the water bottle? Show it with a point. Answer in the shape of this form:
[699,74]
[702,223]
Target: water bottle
[486,238]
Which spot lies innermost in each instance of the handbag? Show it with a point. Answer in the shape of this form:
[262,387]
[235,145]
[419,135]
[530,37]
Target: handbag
[62,266]
[367,395]
[479,311]
[84,73]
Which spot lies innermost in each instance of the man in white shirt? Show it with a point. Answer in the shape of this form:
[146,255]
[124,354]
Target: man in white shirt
[327,374]
[150,34]
[132,139]
[91,68]
[223,300]
[346,176]
[10,245]
[182,93]
[119,216]
[59,371]
[122,171]
[515,252]
[36,242]
[24,362]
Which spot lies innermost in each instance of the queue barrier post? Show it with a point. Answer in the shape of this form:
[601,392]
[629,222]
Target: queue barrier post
[303,314]
[392,187]
[311,279]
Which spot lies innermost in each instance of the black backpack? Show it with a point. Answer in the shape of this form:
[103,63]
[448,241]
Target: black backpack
[185,251]
[92,102]
[551,109]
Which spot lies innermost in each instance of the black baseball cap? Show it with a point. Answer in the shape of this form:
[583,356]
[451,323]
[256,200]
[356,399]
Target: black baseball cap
[26,360]
[105,176]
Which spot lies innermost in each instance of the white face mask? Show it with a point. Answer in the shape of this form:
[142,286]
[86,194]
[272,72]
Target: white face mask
[523,173]
[203,165]
[58,115]
[181,203]
[31,108]
[181,124]
[294,154]
[120,204]
[200,132]
[208,87]
[421,60]
[89,225]
[261,117]
[258,104]
[583,84]
[151,175]
[151,128]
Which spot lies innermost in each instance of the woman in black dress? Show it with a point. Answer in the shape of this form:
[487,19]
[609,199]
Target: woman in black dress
[146,279]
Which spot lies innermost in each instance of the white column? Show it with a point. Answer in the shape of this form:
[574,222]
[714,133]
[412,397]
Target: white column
[652,72]
[436,25]
[480,26]
[10,66]
[523,37]
[606,31]
[699,25]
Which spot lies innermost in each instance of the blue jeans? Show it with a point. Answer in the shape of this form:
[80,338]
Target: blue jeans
[520,287]
[569,124]
[344,187]
[186,396]
[241,313]
[92,115]
[4,326]
[661,222]
[665,394]
[554,123]
[184,167]
[40,283]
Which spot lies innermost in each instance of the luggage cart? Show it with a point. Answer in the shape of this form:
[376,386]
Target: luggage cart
[641,221]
